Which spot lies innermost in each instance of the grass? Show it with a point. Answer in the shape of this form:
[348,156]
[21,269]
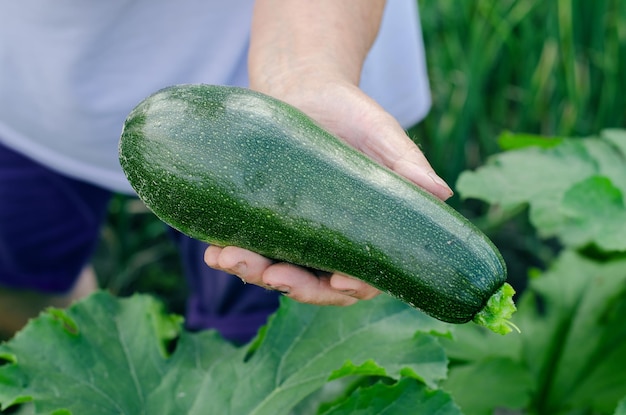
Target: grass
[549,68]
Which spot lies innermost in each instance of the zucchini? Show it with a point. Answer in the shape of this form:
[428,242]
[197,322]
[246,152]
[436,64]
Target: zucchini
[231,166]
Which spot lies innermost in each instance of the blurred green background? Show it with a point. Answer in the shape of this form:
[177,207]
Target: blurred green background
[554,68]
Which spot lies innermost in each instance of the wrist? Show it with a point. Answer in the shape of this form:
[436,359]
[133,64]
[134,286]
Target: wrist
[294,81]
[317,42]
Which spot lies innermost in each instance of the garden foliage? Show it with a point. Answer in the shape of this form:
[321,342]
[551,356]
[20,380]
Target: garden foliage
[571,355]
[109,355]
[553,68]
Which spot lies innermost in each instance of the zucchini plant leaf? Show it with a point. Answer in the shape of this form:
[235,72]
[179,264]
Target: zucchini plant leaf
[621,407]
[408,396]
[570,355]
[507,380]
[110,353]
[481,360]
[617,137]
[562,185]
[120,356]
[575,342]
[510,141]
[595,214]
[528,175]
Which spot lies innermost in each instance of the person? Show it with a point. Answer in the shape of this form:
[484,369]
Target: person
[70,72]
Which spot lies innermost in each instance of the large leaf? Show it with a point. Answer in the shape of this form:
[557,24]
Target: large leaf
[504,383]
[575,190]
[575,336]
[621,408]
[479,362]
[407,396]
[570,355]
[108,353]
[113,355]
[595,214]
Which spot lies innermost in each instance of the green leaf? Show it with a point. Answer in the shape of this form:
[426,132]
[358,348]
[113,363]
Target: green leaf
[504,383]
[511,141]
[407,396]
[575,191]
[617,137]
[530,175]
[595,214]
[112,354]
[419,357]
[570,355]
[304,345]
[575,336]
[609,154]
[480,361]
[470,343]
[109,352]
[621,407]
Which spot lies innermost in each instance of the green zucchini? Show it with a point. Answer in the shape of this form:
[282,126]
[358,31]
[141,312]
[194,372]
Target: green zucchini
[231,166]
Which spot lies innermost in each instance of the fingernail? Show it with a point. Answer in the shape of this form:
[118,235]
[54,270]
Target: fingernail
[349,293]
[281,289]
[439,181]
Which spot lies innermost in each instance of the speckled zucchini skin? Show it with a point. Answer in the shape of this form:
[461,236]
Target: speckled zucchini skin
[230,166]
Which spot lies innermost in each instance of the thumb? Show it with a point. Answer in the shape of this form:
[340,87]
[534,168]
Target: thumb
[413,165]
[392,147]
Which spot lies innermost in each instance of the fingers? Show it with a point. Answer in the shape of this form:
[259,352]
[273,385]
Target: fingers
[388,143]
[237,261]
[303,286]
[364,124]
[352,287]
[403,157]
[296,282]
[413,165]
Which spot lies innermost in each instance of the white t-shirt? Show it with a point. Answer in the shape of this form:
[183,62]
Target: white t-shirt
[71,70]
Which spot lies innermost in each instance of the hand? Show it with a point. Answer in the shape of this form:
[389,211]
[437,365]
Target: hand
[348,113]
[296,282]
[310,55]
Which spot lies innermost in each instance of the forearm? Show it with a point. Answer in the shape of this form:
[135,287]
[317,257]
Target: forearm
[295,38]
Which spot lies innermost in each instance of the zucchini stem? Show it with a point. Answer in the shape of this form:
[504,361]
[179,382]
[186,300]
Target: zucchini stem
[497,313]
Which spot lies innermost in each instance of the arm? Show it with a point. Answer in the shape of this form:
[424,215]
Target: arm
[310,54]
[327,39]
